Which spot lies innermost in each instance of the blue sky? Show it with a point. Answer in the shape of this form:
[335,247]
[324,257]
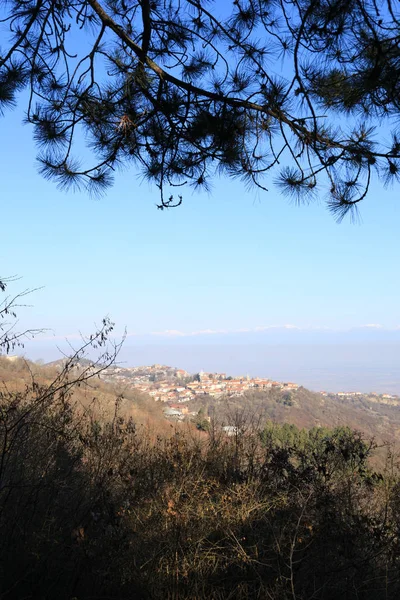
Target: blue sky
[236,280]
[230,260]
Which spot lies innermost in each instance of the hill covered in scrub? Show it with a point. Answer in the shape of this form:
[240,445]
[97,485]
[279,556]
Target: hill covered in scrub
[224,400]
[373,415]
[101,398]
[306,409]
[95,507]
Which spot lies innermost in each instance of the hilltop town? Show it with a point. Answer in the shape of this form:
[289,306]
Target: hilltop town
[183,396]
[176,386]
[171,385]
[162,393]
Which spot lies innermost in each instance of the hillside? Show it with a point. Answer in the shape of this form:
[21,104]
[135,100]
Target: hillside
[100,396]
[225,400]
[373,415]
[95,507]
[307,409]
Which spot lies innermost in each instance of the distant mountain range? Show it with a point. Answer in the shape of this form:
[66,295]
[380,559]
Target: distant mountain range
[266,335]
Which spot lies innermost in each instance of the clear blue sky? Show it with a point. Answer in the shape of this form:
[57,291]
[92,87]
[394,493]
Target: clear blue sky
[228,260]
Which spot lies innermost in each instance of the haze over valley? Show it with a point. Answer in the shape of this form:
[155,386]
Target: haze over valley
[363,359]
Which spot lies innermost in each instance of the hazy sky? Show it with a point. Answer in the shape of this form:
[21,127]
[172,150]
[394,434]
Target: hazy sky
[229,260]
[283,286]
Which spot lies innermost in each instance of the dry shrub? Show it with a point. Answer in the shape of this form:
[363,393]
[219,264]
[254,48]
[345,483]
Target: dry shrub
[93,505]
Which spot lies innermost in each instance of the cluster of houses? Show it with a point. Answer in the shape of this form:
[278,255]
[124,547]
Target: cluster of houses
[215,385]
[171,385]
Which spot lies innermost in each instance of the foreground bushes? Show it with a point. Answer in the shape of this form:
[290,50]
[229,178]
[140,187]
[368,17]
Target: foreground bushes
[101,510]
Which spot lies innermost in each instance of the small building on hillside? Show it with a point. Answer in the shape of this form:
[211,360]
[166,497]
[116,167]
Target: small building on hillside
[173,413]
[230,430]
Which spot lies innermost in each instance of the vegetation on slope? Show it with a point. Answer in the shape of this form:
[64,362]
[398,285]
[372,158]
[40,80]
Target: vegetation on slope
[96,508]
[306,409]
[100,398]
